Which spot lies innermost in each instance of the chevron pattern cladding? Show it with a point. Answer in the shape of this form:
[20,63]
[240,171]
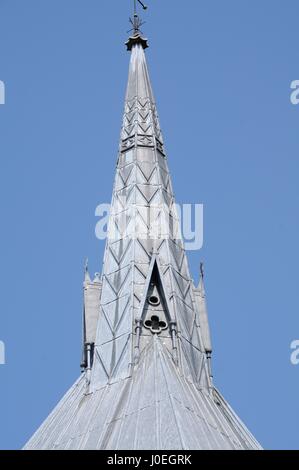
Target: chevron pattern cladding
[143,221]
[146,381]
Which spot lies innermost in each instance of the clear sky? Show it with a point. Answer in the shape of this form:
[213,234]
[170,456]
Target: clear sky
[221,72]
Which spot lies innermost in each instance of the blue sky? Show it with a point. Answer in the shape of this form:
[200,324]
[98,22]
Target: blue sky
[221,73]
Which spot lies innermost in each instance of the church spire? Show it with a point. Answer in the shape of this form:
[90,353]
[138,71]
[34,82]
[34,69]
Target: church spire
[144,251]
[146,381]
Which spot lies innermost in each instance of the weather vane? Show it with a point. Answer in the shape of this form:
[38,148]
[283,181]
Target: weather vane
[136,22]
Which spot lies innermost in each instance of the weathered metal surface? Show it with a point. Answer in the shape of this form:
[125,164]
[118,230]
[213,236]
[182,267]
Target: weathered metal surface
[150,383]
[156,408]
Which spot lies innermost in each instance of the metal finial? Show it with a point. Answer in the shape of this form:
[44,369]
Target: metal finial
[202,273]
[136,22]
[86,273]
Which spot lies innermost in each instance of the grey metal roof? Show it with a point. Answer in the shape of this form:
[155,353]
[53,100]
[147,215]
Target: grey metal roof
[147,375]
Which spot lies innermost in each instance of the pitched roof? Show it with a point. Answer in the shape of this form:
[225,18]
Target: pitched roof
[156,408]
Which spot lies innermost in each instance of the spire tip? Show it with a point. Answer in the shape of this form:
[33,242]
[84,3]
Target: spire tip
[202,272]
[136,23]
[86,273]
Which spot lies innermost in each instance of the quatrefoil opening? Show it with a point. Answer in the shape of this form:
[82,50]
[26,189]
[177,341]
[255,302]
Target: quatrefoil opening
[155,325]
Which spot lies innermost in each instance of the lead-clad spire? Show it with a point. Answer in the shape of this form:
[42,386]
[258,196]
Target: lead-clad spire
[144,251]
[146,381]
